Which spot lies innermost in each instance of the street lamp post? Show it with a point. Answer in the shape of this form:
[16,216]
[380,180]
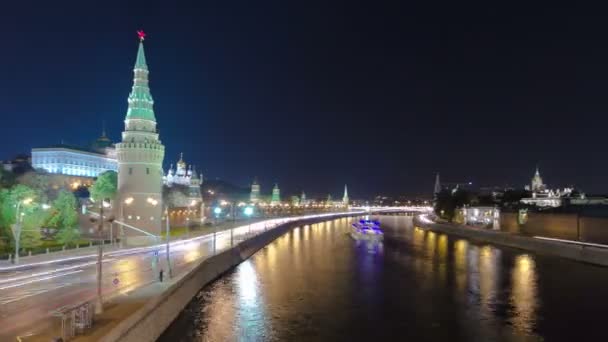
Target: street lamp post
[126,201]
[168,236]
[18,225]
[99,299]
[248,211]
[217,211]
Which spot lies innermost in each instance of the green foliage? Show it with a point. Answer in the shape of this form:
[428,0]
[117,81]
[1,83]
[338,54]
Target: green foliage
[64,217]
[9,200]
[68,235]
[39,182]
[64,213]
[30,232]
[105,186]
[7,179]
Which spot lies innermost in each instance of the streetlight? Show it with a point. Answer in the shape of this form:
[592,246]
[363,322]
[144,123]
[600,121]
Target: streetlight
[248,211]
[16,228]
[156,260]
[126,201]
[168,236]
[190,205]
[217,211]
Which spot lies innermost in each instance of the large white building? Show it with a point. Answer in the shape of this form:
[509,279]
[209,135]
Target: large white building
[140,156]
[76,161]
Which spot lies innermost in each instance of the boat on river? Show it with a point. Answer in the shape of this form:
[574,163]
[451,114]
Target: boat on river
[366,230]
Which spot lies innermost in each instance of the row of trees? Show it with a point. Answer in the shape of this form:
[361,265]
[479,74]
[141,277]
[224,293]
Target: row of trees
[36,198]
[36,212]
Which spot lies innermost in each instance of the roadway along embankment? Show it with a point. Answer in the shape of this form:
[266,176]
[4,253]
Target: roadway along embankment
[151,320]
[587,254]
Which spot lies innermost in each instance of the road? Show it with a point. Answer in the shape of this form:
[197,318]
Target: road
[29,294]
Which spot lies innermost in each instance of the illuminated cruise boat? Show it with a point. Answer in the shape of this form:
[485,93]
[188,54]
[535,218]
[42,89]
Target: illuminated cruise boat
[367,230]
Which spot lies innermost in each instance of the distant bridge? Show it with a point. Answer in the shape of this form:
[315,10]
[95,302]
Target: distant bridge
[403,209]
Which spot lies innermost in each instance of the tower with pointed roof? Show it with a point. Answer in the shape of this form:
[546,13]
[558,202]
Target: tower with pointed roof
[537,181]
[276,195]
[437,188]
[140,156]
[345,199]
[254,196]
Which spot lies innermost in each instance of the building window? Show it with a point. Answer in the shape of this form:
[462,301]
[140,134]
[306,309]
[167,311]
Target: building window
[130,170]
[147,170]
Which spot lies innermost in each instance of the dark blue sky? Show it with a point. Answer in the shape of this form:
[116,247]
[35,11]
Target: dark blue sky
[379,95]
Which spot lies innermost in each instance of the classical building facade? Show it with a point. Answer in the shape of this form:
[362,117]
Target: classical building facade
[140,156]
[78,161]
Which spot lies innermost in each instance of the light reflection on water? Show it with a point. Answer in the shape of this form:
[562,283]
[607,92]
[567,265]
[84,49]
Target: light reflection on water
[316,283]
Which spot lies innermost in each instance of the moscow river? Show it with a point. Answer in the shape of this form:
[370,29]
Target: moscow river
[316,283]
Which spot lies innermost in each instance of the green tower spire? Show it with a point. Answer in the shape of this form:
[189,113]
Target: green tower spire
[141,104]
[140,62]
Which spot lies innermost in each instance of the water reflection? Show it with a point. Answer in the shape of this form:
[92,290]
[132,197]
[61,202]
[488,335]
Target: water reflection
[317,284]
[524,296]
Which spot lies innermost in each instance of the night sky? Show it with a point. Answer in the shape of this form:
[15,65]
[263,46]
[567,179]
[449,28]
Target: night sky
[313,95]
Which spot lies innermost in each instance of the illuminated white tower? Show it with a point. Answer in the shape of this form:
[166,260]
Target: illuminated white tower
[140,157]
[345,199]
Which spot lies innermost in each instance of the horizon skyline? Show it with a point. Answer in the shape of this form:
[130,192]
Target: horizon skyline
[316,109]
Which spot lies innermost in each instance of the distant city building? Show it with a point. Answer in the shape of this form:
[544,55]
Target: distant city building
[537,184]
[437,188]
[76,161]
[345,199]
[185,175]
[303,200]
[488,216]
[544,197]
[182,174]
[254,195]
[276,195]
[295,200]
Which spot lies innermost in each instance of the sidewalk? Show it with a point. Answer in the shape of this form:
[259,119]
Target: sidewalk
[91,252]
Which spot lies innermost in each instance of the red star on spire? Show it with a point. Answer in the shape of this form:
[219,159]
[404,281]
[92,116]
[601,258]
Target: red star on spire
[141,34]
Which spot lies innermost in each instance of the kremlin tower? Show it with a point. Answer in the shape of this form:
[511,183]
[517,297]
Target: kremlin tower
[276,195]
[140,156]
[254,196]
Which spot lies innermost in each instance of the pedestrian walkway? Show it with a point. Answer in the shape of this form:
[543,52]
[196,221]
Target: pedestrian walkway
[91,252]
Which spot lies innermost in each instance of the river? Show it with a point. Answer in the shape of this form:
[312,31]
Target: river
[315,283]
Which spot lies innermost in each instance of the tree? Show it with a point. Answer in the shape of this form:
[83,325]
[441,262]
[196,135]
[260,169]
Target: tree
[7,179]
[33,215]
[39,182]
[64,217]
[30,232]
[105,186]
